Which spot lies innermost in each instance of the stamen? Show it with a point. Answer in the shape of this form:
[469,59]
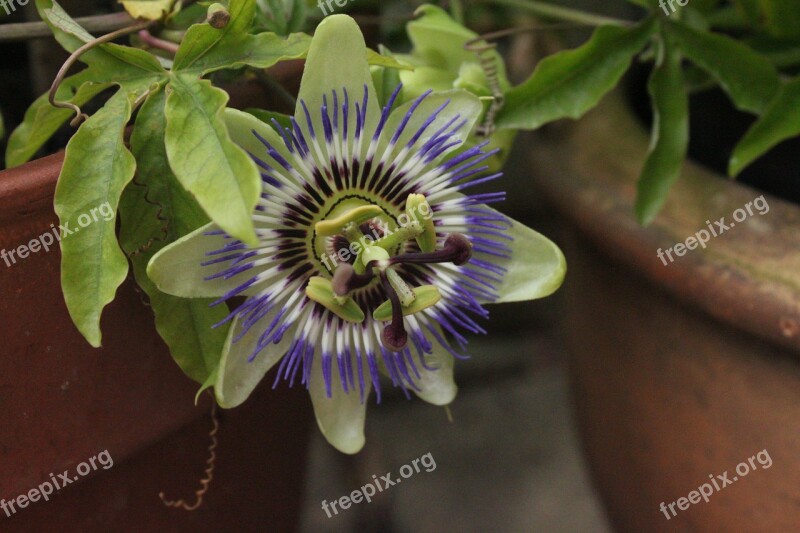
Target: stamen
[424,297]
[404,292]
[320,290]
[345,279]
[418,209]
[329,228]
[457,250]
[393,336]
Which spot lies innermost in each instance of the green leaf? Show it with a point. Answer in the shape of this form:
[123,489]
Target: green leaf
[670,136]
[220,175]
[67,32]
[155,211]
[570,83]
[439,40]
[751,10]
[205,49]
[147,9]
[97,167]
[386,79]
[779,122]
[268,116]
[747,77]
[112,62]
[281,16]
[42,120]
[645,3]
[441,55]
[783,18]
[386,59]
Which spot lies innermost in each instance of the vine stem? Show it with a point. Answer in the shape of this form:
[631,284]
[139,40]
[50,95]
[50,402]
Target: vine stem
[209,472]
[22,31]
[80,116]
[544,9]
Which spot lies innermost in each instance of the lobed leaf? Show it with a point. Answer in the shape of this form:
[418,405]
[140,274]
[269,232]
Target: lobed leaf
[570,83]
[206,49]
[780,121]
[746,76]
[670,135]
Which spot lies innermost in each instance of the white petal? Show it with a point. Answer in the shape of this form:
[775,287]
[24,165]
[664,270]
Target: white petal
[437,386]
[461,103]
[177,269]
[337,59]
[536,269]
[341,417]
[237,377]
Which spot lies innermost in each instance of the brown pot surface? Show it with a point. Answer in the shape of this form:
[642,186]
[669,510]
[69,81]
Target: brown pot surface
[64,402]
[685,370]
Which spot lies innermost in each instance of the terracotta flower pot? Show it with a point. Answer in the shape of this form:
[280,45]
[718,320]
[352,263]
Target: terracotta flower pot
[64,403]
[683,371]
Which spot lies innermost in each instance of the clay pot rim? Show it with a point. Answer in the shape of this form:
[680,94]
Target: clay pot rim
[748,277]
[34,181]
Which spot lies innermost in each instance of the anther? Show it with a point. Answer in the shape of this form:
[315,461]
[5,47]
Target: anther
[393,336]
[457,250]
[345,279]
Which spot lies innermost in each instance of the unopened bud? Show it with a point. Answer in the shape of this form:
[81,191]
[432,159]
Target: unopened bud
[218,16]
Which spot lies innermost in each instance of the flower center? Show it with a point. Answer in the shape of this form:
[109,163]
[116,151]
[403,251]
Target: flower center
[359,243]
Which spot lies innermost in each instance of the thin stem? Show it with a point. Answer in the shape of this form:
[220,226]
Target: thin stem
[543,9]
[22,31]
[209,472]
[154,42]
[80,116]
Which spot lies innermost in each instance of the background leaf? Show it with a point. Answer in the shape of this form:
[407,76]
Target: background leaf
[155,211]
[281,16]
[783,18]
[670,137]
[570,83]
[219,174]
[147,9]
[747,77]
[206,49]
[110,60]
[780,121]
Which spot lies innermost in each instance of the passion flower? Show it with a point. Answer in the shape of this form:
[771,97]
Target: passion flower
[372,259]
